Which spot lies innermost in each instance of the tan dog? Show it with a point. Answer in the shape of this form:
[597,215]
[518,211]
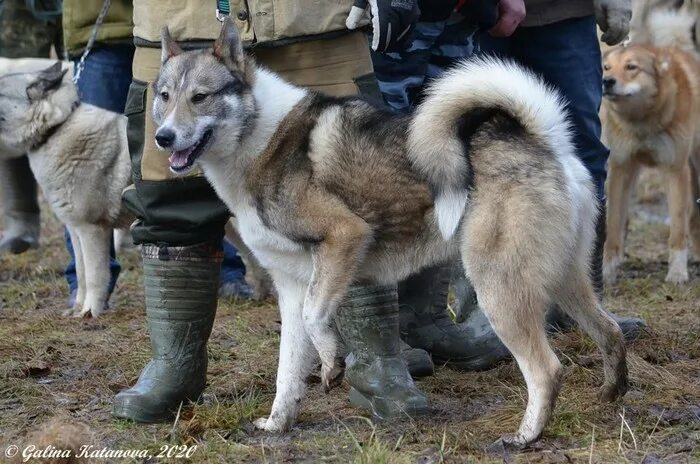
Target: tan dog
[651,117]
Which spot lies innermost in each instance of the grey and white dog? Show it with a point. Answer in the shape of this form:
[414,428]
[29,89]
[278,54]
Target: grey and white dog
[331,191]
[79,156]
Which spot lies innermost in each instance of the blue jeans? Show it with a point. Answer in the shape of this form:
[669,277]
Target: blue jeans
[104,82]
[567,55]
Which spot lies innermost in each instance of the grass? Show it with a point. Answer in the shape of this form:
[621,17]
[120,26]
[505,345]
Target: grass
[58,377]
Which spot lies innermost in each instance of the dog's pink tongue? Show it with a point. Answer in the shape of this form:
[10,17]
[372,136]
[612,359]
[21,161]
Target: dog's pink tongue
[178,159]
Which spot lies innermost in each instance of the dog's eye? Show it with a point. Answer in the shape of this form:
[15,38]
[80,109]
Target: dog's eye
[164,95]
[606,67]
[199,97]
[630,66]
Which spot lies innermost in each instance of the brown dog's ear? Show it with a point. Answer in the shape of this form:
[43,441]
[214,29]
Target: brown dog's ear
[169,47]
[662,63]
[47,81]
[228,47]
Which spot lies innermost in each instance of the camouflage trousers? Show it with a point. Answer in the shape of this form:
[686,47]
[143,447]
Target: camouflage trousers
[436,46]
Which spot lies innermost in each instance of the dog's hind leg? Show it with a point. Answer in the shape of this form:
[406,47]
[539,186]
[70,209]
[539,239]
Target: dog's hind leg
[517,317]
[679,198]
[694,228]
[79,271]
[94,241]
[578,299]
[297,357]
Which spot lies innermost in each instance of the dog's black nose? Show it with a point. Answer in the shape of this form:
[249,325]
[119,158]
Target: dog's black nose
[165,137]
[609,82]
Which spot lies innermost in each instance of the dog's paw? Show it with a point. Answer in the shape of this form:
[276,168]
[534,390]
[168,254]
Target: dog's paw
[677,276]
[677,267]
[260,423]
[70,312]
[332,376]
[610,392]
[507,443]
[86,312]
[268,425]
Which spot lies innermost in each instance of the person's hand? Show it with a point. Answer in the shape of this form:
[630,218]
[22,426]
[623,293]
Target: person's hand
[613,17]
[510,14]
[392,21]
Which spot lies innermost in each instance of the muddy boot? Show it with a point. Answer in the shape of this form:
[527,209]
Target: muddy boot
[181,285]
[631,327]
[425,323]
[21,210]
[368,322]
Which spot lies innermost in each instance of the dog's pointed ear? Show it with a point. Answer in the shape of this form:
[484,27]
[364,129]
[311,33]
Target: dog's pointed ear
[228,47]
[169,47]
[47,81]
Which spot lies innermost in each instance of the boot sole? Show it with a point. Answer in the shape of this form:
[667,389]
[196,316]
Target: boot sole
[376,405]
[142,416]
[470,365]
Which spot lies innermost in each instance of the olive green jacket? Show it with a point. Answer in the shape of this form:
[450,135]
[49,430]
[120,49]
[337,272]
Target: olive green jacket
[543,12]
[267,22]
[79,18]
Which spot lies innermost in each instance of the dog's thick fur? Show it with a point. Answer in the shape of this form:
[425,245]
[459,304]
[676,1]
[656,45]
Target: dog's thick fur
[651,117]
[78,154]
[332,191]
[666,23]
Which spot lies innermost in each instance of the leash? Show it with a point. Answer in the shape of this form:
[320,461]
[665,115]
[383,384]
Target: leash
[91,41]
[223,9]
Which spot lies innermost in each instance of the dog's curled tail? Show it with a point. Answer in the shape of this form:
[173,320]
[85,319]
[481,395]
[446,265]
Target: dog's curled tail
[435,145]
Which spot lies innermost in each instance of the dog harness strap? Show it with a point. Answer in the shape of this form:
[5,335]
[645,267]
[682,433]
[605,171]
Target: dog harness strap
[222,9]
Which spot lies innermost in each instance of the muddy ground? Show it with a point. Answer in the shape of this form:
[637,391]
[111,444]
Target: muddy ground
[58,377]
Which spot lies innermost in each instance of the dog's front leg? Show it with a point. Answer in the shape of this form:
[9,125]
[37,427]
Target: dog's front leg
[94,242]
[335,263]
[621,179]
[297,357]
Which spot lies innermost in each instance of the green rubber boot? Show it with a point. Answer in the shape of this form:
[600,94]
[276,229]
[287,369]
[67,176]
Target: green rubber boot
[18,196]
[181,285]
[368,322]
[425,323]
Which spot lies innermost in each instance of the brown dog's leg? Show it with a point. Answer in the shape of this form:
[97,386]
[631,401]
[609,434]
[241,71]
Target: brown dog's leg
[621,178]
[679,198]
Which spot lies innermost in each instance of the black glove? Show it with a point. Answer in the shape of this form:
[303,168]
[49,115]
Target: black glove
[392,22]
[482,12]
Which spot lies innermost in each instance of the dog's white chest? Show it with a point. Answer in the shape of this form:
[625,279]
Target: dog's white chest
[273,250]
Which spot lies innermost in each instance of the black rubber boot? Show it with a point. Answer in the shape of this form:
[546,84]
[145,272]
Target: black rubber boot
[631,327]
[425,323]
[181,285]
[368,322]
[20,206]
